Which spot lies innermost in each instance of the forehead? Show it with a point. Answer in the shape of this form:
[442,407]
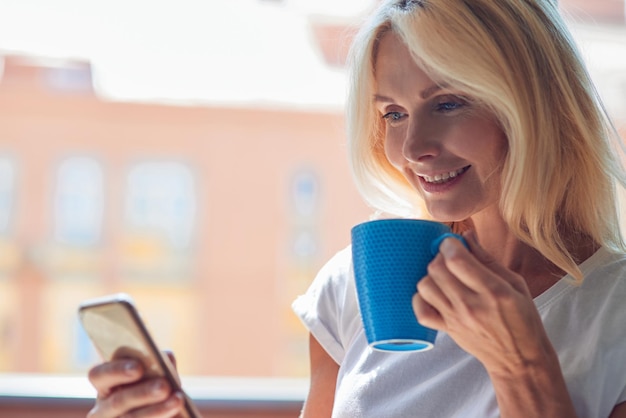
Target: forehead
[395,67]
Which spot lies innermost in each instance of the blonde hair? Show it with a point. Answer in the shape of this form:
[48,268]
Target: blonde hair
[518,59]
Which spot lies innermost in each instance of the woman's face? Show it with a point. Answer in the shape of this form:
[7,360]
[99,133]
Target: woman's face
[449,149]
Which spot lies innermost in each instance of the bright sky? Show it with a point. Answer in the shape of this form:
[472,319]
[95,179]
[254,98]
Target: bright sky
[188,50]
[224,51]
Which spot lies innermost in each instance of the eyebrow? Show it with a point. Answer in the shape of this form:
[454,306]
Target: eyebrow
[424,94]
[429,91]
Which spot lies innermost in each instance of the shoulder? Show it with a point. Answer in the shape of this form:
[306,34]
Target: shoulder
[333,278]
[604,285]
[338,267]
[603,291]
[328,304]
[329,285]
[605,269]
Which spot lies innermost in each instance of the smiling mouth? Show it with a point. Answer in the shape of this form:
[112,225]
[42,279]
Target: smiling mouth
[445,177]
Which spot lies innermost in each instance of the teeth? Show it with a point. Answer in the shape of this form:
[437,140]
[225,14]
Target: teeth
[442,178]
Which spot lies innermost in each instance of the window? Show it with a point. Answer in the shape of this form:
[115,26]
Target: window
[78,202]
[160,198]
[7,191]
[159,219]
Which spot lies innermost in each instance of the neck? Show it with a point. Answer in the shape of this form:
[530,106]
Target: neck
[540,273]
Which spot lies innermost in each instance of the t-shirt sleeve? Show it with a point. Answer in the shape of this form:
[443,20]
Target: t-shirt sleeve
[321,307]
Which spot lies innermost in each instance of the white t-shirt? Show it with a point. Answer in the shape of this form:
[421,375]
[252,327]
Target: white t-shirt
[586,324]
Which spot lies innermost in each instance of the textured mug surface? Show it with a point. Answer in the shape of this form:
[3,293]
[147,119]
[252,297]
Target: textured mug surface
[389,257]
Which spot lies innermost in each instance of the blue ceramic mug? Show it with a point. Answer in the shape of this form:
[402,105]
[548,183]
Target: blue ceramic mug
[389,257]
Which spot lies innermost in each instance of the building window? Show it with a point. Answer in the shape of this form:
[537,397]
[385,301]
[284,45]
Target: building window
[70,78]
[305,207]
[7,193]
[305,193]
[161,200]
[78,202]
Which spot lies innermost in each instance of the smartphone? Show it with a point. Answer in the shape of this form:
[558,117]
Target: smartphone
[117,331]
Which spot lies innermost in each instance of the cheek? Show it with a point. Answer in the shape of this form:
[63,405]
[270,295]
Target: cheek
[393,149]
[497,145]
[482,141]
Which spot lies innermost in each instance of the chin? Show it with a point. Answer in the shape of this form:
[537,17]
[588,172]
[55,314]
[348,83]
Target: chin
[447,216]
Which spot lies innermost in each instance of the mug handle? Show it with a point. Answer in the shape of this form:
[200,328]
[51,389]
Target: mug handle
[434,247]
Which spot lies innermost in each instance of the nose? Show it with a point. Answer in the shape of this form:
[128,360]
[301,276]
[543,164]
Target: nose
[420,142]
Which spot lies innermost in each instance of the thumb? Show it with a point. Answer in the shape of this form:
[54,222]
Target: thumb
[170,361]
[172,358]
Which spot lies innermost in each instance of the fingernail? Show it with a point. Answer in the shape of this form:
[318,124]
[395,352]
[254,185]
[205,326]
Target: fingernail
[447,246]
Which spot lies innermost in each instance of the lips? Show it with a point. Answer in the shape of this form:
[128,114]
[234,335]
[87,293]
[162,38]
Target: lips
[444,177]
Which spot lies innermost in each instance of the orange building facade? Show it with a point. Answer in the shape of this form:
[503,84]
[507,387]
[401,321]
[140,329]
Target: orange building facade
[213,219]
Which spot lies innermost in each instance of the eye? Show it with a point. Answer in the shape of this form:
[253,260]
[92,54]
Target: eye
[448,104]
[393,116]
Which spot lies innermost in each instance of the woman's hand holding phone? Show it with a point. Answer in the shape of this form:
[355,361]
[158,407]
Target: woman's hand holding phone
[124,391]
[136,379]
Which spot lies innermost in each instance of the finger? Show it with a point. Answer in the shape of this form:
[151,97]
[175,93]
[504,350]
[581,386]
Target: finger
[426,314]
[106,376]
[170,408]
[170,355]
[129,398]
[487,260]
[470,271]
[430,291]
[447,290]
[170,363]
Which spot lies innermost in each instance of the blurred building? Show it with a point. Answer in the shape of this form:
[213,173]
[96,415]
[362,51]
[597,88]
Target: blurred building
[213,218]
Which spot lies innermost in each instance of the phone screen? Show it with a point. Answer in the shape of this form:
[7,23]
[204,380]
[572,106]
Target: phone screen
[114,326]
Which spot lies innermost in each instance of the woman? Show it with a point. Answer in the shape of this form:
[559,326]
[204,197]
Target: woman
[481,111]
